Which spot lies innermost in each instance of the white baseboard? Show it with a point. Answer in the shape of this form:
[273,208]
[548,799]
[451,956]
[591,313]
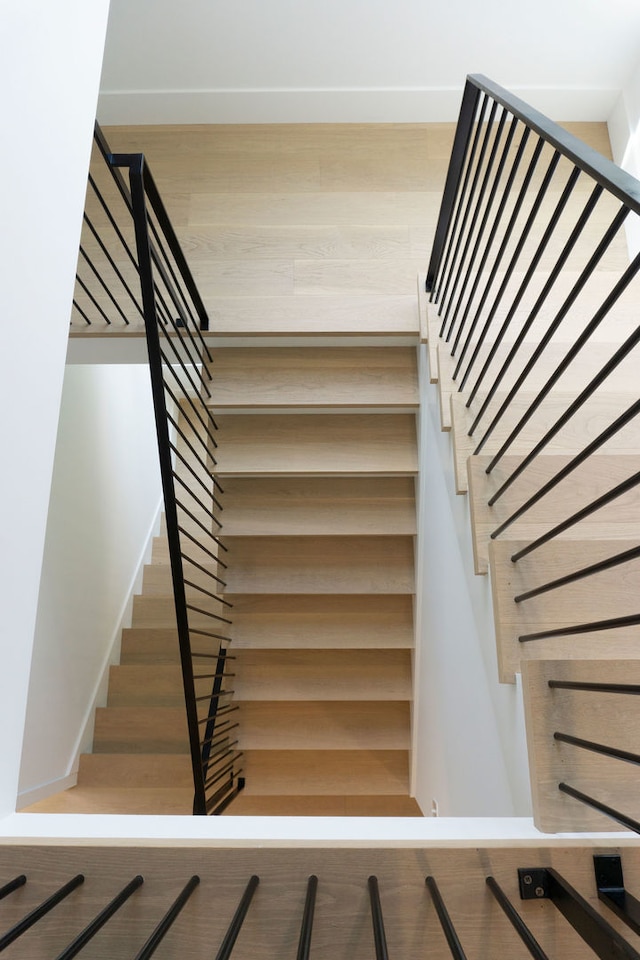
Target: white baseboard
[365,105]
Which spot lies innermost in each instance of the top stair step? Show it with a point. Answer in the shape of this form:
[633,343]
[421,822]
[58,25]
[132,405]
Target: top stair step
[320,378]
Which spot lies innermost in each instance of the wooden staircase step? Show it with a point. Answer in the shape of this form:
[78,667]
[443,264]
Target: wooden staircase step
[324,377]
[322,772]
[320,565]
[158,611]
[619,520]
[599,717]
[328,445]
[322,675]
[611,593]
[150,685]
[322,725]
[141,730]
[323,806]
[268,317]
[149,645]
[318,621]
[169,771]
[268,506]
[135,801]
[582,428]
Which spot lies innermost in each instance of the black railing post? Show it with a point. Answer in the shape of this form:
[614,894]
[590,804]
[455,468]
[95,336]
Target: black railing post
[458,154]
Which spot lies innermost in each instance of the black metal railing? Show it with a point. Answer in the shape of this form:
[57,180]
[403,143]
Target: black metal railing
[536,297]
[481,924]
[137,262]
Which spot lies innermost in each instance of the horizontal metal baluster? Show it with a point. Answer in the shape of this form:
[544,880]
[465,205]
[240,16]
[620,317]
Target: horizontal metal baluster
[189,536]
[222,710]
[225,749]
[631,689]
[445,920]
[594,627]
[12,885]
[114,265]
[219,693]
[210,427]
[167,921]
[99,921]
[38,912]
[600,748]
[91,297]
[522,196]
[208,573]
[616,815]
[197,436]
[546,290]
[218,803]
[599,441]
[220,734]
[81,312]
[199,523]
[506,193]
[524,236]
[205,613]
[197,499]
[462,203]
[476,212]
[461,141]
[592,569]
[516,921]
[592,507]
[208,593]
[483,225]
[94,270]
[604,372]
[170,341]
[379,938]
[304,944]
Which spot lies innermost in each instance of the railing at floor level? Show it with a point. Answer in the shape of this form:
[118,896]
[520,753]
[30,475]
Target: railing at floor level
[535,297]
[535,883]
[141,238]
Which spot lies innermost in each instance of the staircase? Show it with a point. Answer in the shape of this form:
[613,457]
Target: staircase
[317,458]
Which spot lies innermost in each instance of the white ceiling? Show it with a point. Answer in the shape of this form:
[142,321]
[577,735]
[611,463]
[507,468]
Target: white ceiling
[271,60]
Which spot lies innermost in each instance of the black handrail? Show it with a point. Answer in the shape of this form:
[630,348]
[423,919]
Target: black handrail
[500,312]
[179,361]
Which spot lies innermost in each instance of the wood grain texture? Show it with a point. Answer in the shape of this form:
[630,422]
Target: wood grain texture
[342,926]
[351,377]
[341,444]
[606,718]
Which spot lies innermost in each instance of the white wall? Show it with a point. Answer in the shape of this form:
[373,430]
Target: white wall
[50,57]
[624,134]
[104,507]
[247,61]
[470,753]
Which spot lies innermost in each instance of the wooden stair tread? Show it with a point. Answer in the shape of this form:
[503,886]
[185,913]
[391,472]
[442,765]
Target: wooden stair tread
[136,770]
[307,317]
[599,717]
[583,427]
[249,377]
[320,564]
[141,729]
[334,725]
[266,506]
[337,444]
[318,772]
[323,675]
[147,644]
[317,621]
[608,594]
[142,801]
[323,806]
[619,520]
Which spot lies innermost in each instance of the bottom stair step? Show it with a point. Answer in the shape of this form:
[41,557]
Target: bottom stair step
[326,772]
[135,770]
[323,806]
[143,801]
